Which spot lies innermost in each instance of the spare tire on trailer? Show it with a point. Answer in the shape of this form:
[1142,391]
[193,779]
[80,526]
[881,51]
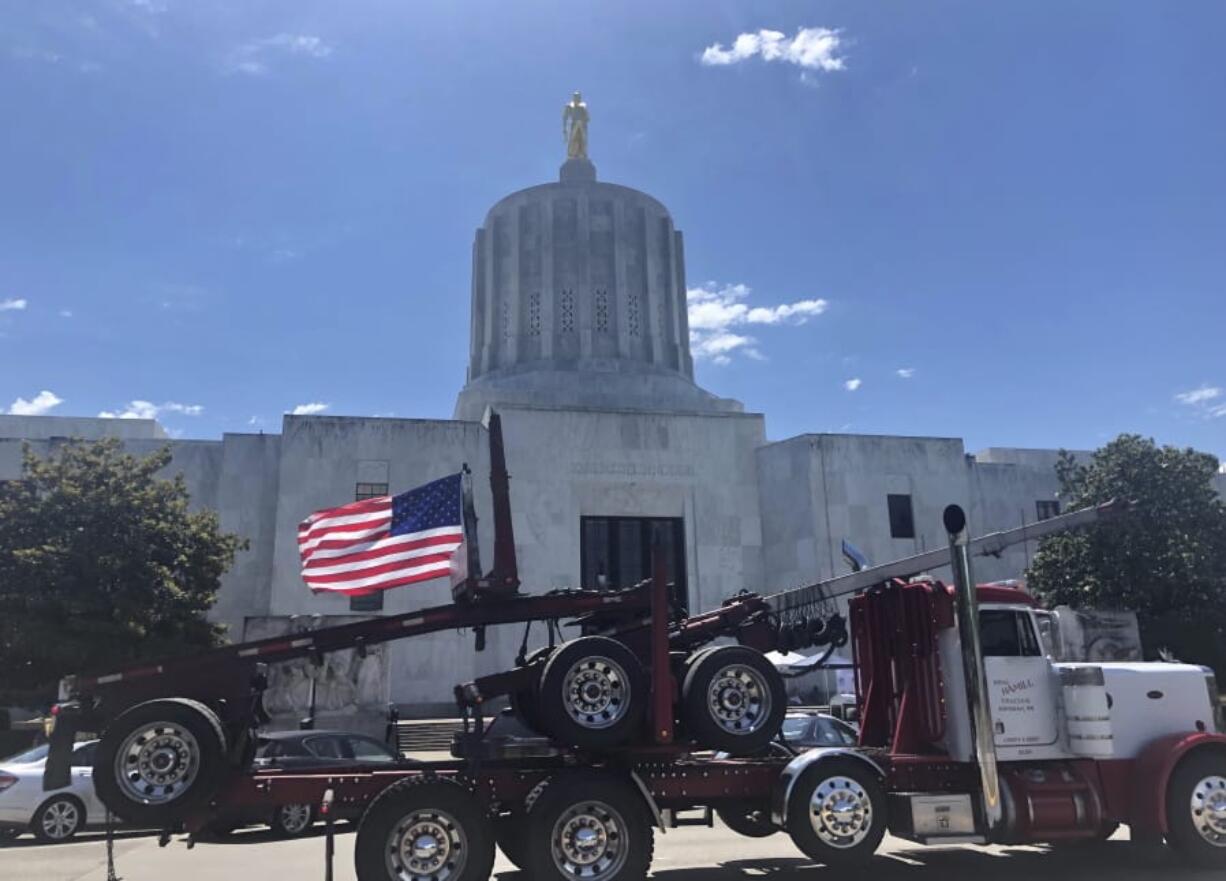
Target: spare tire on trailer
[424,829]
[158,761]
[593,693]
[733,700]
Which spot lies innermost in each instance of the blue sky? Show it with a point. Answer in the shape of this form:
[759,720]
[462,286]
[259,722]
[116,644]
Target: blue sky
[223,211]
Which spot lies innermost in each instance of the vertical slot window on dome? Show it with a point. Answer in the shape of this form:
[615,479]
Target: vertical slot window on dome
[632,314]
[568,311]
[602,311]
[534,314]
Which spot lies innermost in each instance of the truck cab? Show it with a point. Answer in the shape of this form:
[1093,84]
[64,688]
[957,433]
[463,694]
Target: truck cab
[1045,708]
[1075,747]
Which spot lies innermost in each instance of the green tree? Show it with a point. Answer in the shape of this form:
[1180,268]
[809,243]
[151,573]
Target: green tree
[1166,560]
[102,563]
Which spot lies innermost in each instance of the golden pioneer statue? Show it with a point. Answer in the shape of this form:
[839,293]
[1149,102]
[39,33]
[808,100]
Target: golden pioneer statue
[574,127]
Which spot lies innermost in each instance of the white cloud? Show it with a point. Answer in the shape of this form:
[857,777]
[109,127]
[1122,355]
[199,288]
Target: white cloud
[719,347]
[811,48]
[65,313]
[252,58]
[714,311]
[309,409]
[26,53]
[1206,401]
[852,384]
[42,404]
[905,372]
[149,410]
[13,304]
[1199,396]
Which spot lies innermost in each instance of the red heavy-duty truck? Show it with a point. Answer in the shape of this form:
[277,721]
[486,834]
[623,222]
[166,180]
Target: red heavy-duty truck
[971,731]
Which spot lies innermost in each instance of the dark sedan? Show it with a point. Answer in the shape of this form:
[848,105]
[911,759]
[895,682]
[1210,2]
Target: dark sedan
[805,731]
[304,750]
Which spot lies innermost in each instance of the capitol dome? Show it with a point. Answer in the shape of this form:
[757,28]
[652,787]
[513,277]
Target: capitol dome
[578,300]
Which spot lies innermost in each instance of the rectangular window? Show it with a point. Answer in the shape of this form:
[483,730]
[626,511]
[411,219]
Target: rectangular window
[1007,634]
[369,491]
[616,552]
[1046,509]
[602,311]
[902,523]
[371,602]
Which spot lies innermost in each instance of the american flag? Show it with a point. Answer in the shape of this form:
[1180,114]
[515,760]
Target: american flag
[390,541]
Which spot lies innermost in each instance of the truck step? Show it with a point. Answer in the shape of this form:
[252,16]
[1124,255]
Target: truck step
[697,817]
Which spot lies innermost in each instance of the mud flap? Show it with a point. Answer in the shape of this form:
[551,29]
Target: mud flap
[57,773]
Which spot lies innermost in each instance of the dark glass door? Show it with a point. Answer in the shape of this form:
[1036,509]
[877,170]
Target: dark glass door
[616,552]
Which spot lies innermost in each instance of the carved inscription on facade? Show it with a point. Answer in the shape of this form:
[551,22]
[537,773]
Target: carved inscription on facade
[632,469]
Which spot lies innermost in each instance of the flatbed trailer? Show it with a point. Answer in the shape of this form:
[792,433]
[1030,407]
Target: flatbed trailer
[614,808]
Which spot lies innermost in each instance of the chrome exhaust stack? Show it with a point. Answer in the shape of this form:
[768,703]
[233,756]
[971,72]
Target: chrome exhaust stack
[973,666]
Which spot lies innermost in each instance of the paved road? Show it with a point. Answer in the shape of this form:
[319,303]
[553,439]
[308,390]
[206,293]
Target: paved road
[689,854]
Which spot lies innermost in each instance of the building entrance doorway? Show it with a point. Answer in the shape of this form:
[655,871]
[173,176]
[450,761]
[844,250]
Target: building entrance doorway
[616,552]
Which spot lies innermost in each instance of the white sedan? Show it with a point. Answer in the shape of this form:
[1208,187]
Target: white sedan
[51,816]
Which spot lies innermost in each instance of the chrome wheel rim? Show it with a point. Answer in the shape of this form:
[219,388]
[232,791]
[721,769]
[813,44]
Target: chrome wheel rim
[739,699]
[596,692]
[1208,805]
[841,812]
[589,841]
[295,818]
[426,845]
[60,820]
[157,763]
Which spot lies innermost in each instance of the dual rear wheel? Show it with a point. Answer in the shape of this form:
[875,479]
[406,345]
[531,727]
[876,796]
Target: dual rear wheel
[583,825]
[593,694]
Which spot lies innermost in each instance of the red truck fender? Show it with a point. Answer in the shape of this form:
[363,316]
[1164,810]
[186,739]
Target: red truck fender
[1154,768]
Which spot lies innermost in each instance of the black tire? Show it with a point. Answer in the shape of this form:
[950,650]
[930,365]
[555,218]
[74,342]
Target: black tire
[526,702]
[593,694]
[1195,833]
[596,802]
[748,819]
[733,700]
[441,807]
[220,829]
[176,724]
[58,819]
[510,832]
[291,821]
[1099,838]
[833,846]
